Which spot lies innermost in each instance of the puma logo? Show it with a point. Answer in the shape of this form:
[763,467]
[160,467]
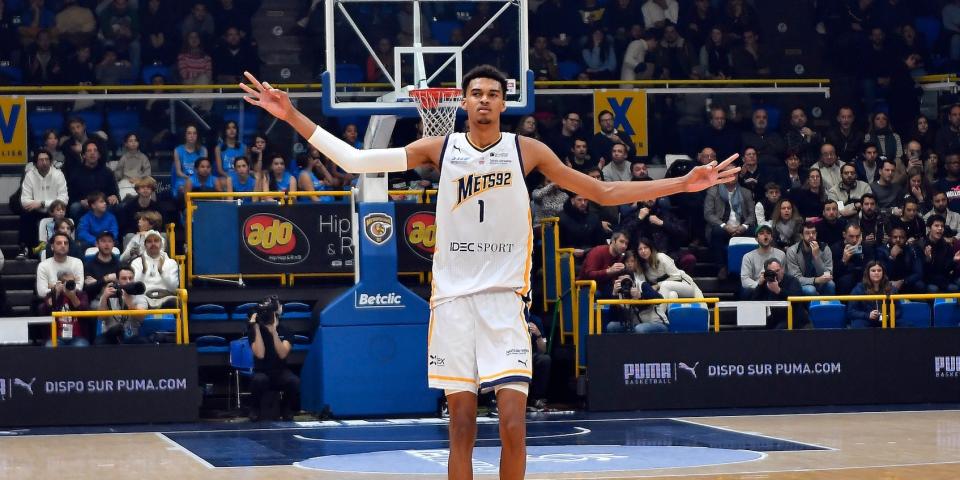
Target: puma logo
[692,370]
[522,362]
[26,386]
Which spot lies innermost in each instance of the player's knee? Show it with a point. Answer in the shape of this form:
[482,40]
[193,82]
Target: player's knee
[462,423]
[512,427]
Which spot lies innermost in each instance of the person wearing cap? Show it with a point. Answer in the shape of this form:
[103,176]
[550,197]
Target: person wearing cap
[100,269]
[751,267]
[159,273]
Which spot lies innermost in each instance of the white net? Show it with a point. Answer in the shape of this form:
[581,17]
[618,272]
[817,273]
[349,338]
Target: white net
[438,109]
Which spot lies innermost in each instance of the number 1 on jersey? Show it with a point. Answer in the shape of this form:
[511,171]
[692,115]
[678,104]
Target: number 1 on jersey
[481,210]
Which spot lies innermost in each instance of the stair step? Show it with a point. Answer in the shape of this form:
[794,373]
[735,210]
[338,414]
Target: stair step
[9,237]
[12,266]
[9,222]
[5,209]
[19,280]
[10,250]
[21,310]
[20,297]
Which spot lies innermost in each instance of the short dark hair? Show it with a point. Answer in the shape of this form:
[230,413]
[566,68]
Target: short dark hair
[868,195]
[605,112]
[618,234]
[105,233]
[94,197]
[845,165]
[196,164]
[88,143]
[867,145]
[127,267]
[936,217]
[809,224]
[771,261]
[36,156]
[53,238]
[484,71]
[771,186]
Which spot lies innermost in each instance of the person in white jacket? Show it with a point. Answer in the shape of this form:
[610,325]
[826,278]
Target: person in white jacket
[41,186]
[159,273]
[634,66]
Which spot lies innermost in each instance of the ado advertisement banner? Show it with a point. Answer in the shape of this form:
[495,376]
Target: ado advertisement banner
[13,130]
[629,110]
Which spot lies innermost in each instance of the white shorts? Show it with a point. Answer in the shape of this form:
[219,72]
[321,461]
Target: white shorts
[478,341]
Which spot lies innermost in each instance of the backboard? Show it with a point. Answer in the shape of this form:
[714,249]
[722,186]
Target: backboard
[392,46]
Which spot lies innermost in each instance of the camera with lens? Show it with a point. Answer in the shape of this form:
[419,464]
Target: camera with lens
[70,285]
[132,288]
[267,310]
[626,285]
[769,275]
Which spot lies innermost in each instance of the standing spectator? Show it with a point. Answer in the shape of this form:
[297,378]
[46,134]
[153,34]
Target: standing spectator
[721,137]
[769,144]
[185,157]
[751,266]
[95,221]
[635,65]
[198,21]
[846,137]
[599,56]
[802,139]
[579,229]
[100,268]
[850,257]
[195,67]
[948,137]
[715,56]
[868,313]
[810,197]
[888,192]
[604,263]
[120,29]
[548,201]
[132,166]
[543,62]
[618,170]
[159,273]
[232,57]
[829,166]
[48,271]
[941,207]
[657,12]
[728,212]
[561,140]
[776,285]
[849,191]
[903,263]
[786,224]
[868,170]
[888,142]
[119,329]
[939,261]
[811,263]
[91,177]
[603,141]
[41,186]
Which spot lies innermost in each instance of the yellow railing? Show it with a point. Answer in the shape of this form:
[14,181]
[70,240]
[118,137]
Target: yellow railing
[571,271]
[842,298]
[915,296]
[180,314]
[598,314]
[543,253]
[684,83]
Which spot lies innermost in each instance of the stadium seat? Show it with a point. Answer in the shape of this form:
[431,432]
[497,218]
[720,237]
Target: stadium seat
[828,314]
[241,360]
[946,312]
[736,249]
[209,313]
[13,74]
[92,117]
[349,73]
[688,317]
[441,31]
[242,312]
[165,324]
[251,118]
[569,70]
[39,122]
[120,123]
[301,343]
[913,314]
[296,310]
[930,28]
[212,344]
[151,71]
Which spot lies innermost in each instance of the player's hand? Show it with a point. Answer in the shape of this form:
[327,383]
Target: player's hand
[706,176]
[274,101]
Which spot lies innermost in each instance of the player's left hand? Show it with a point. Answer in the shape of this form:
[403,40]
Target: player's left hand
[706,176]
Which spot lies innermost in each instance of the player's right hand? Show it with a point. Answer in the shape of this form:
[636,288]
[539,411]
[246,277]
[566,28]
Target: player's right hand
[274,101]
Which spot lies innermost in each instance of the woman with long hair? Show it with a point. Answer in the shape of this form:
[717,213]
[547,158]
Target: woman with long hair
[241,179]
[888,142]
[277,178]
[868,313]
[185,156]
[932,168]
[598,56]
[920,189]
[787,224]
[309,181]
[51,143]
[527,127]
[715,55]
[658,269]
[923,131]
[228,148]
[809,199]
[256,153]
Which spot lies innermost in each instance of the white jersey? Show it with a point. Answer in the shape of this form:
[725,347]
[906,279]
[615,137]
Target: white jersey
[484,233]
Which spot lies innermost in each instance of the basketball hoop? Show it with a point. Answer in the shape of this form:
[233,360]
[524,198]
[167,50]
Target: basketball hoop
[438,109]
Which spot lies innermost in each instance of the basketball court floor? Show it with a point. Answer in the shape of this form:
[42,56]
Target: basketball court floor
[899,444]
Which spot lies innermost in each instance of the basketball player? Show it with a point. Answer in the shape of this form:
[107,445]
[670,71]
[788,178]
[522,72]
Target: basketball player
[478,338]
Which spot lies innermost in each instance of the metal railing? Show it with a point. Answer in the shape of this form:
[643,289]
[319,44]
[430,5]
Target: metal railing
[598,306]
[180,314]
[842,298]
[915,296]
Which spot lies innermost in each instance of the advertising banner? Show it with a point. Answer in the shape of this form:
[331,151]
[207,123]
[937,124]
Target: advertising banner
[295,238]
[629,108]
[13,130]
[103,385]
[417,235]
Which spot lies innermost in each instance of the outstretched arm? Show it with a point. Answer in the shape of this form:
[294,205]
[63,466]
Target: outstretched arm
[278,104]
[540,156]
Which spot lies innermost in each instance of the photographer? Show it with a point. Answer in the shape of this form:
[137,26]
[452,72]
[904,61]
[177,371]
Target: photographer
[100,269]
[775,286]
[123,294]
[66,295]
[636,318]
[270,350]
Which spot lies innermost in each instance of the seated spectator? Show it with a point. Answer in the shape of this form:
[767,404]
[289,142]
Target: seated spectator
[802,139]
[604,263]
[888,142]
[639,172]
[599,56]
[767,206]
[48,271]
[631,285]
[66,295]
[792,177]
[547,201]
[277,178]
[241,179]
[76,23]
[65,227]
[541,364]
[228,148]
[831,226]
[811,263]
[776,285]
[635,65]
[868,313]
[829,166]
[41,187]
[868,167]
[159,273]
[42,64]
[887,191]
[97,220]
[849,258]
[310,167]
[58,211]
[752,59]
[100,268]
[654,220]
[73,145]
[543,62]
[195,67]
[728,212]
[948,137]
[751,266]
[676,57]
[917,188]
[619,169]
[233,56]
[561,140]
[51,143]
[768,143]
[120,29]
[903,263]
[871,222]
[185,156]
[91,177]
[578,158]
[715,56]
[786,224]
[941,207]
[199,21]
[939,260]
[603,141]
[910,221]
[526,127]
[751,176]
[116,295]
[147,221]
[352,136]
[132,166]
[811,197]
[143,202]
[849,191]
[658,269]
[202,179]
[113,69]
[579,228]
[847,137]
[257,151]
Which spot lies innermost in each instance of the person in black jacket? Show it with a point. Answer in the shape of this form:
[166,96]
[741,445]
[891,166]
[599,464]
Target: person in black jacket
[580,229]
[903,263]
[270,349]
[938,258]
[775,285]
[850,255]
[91,176]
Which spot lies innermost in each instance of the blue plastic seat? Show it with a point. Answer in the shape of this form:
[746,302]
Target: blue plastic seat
[349,73]
[442,30]
[688,317]
[828,314]
[242,312]
[569,70]
[946,312]
[92,117]
[212,344]
[39,122]
[209,313]
[930,28]
[736,252]
[301,343]
[151,71]
[296,310]
[158,324]
[15,74]
[913,314]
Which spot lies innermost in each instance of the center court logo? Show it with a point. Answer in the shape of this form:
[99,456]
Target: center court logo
[946,366]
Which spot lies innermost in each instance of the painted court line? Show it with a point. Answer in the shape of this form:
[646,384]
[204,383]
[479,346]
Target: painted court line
[176,446]
[755,434]
[579,431]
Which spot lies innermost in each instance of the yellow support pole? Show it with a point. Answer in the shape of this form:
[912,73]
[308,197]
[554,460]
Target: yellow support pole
[883,315]
[789,314]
